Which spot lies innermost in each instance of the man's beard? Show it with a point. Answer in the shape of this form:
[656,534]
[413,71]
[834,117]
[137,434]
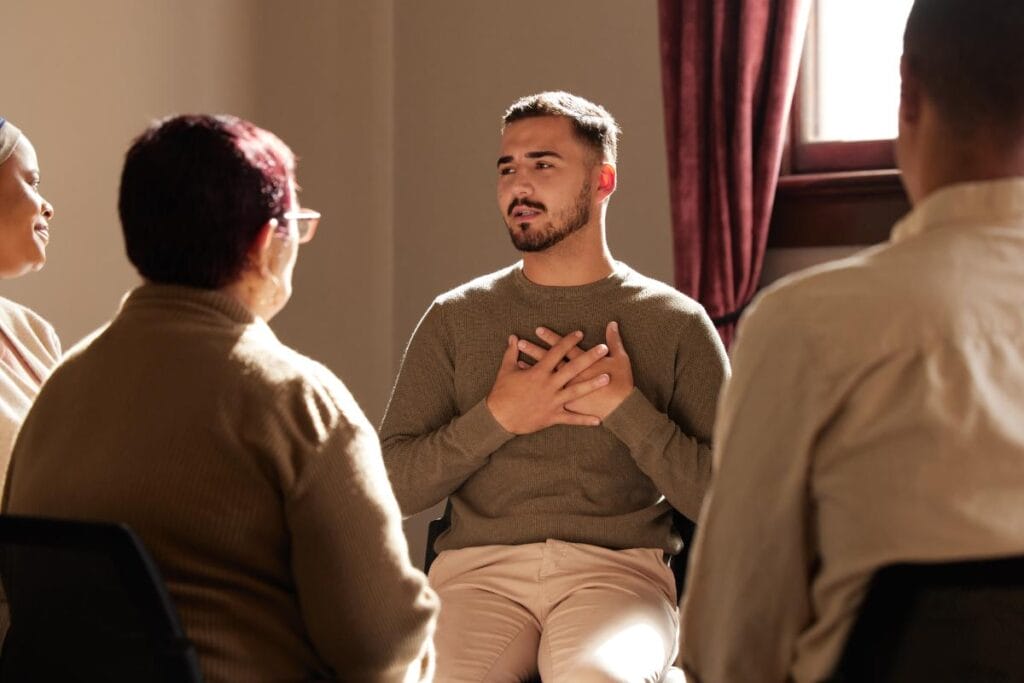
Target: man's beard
[560,227]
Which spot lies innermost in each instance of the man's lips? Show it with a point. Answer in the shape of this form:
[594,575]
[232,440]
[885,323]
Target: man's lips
[524,211]
[43,231]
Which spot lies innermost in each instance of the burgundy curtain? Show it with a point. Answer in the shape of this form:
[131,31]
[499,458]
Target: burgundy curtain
[728,72]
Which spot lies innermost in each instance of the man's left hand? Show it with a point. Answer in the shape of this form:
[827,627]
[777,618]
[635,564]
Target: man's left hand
[616,365]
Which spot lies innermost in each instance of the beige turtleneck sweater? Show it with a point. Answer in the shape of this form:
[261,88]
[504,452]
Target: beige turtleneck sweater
[251,475]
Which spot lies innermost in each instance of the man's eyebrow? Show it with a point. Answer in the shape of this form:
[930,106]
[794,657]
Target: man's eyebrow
[531,155]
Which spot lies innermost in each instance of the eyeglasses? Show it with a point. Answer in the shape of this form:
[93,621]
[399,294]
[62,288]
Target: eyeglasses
[305,220]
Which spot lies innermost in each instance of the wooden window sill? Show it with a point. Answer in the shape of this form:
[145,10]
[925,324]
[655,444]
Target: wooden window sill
[836,208]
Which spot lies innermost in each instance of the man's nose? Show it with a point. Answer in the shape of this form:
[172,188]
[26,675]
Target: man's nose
[522,186]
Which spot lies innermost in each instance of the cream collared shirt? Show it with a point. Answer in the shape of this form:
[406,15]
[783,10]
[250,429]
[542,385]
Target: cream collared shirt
[875,415]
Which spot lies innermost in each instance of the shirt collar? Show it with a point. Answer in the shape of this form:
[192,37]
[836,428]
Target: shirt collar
[966,204]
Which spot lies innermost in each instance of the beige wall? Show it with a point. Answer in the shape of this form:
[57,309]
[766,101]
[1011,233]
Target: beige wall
[82,78]
[393,107]
[460,63]
[782,261]
[325,85]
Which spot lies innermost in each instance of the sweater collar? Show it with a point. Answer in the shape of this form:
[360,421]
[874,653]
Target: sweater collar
[182,298]
[605,285]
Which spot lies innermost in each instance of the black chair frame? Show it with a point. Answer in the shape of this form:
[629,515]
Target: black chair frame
[87,603]
[938,622]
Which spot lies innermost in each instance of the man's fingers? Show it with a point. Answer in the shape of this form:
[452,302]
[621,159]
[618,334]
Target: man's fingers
[567,417]
[551,338]
[580,363]
[532,350]
[615,345]
[511,355]
[575,391]
[558,351]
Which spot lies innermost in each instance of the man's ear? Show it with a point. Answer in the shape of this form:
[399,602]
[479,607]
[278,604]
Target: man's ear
[260,249]
[606,180]
[910,93]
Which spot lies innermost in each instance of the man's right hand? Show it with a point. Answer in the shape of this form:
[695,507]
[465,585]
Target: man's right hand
[528,400]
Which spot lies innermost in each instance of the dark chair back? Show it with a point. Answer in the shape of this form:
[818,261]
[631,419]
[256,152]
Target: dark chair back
[683,525]
[87,603]
[680,562]
[956,621]
[434,530]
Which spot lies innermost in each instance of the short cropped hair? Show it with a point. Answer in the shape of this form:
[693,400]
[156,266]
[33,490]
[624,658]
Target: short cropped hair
[195,192]
[593,125]
[969,57]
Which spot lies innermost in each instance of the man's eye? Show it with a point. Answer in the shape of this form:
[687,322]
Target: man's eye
[544,164]
[505,171]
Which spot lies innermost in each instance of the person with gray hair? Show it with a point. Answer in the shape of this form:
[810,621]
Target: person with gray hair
[875,414]
[29,347]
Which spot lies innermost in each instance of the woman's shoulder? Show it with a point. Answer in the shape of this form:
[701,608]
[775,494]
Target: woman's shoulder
[298,381]
[29,328]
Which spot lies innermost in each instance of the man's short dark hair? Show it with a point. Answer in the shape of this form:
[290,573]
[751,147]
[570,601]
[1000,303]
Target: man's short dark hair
[969,57]
[593,124]
[195,191]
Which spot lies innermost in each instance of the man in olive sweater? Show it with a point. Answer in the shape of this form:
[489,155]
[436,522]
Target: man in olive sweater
[561,454]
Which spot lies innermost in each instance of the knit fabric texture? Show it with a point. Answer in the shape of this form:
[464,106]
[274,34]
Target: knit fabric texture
[251,475]
[609,486]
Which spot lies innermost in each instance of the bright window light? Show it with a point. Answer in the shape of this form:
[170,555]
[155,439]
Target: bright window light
[851,69]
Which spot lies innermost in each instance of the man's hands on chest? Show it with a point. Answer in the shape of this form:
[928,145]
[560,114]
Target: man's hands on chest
[527,399]
[615,364]
[567,385]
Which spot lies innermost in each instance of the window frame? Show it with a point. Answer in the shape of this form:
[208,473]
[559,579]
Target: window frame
[827,156]
[833,193]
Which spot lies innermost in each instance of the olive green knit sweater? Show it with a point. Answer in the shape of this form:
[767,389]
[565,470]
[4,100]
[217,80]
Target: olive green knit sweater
[602,485]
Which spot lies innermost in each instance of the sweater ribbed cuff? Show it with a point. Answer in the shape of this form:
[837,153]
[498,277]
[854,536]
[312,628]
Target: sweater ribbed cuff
[634,420]
[478,427]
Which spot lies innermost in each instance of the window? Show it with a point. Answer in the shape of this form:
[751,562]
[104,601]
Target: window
[840,186]
[844,115]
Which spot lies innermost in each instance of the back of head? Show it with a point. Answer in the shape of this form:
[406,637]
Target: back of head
[593,125]
[195,192]
[968,56]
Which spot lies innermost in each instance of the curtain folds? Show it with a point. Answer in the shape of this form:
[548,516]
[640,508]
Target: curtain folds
[729,68]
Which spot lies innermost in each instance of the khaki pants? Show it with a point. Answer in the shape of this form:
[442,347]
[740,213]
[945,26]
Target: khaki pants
[574,612]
